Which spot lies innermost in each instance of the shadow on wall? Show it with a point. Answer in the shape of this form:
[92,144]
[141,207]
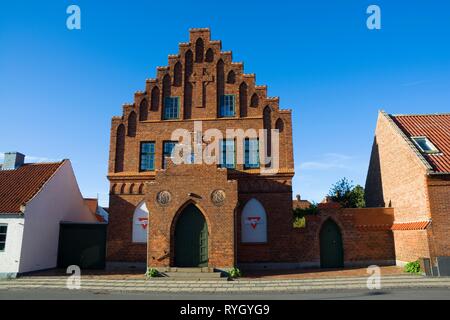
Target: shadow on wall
[374,185]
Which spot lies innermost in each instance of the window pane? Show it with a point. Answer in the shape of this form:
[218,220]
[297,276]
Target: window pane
[251,153]
[147,156]
[3,229]
[227,107]
[2,237]
[167,152]
[2,246]
[171,107]
[425,145]
[227,154]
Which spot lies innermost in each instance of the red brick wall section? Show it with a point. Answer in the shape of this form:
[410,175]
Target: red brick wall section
[192,184]
[366,238]
[411,245]
[439,192]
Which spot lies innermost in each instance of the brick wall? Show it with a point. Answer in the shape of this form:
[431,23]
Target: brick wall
[396,176]
[366,235]
[439,193]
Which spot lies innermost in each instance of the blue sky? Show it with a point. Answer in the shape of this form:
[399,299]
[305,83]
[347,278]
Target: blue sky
[60,88]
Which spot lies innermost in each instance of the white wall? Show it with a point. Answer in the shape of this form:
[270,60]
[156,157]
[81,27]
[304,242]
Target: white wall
[59,200]
[9,259]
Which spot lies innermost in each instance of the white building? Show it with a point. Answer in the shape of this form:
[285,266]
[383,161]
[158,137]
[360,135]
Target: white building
[34,199]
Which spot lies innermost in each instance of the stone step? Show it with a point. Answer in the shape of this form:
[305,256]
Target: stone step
[187,270]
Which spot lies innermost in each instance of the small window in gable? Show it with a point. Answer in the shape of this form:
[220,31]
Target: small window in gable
[425,145]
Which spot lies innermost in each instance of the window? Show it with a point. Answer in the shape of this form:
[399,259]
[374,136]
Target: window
[171,108]
[251,153]
[3,228]
[425,145]
[226,108]
[147,156]
[167,150]
[227,155]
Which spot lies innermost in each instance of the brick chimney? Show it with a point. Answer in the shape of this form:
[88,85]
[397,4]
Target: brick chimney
[13,160]
[298,197]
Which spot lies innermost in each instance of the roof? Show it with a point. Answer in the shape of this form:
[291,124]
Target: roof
[301,204]
[436,127]
[92,204]
[19,186]
[417,225]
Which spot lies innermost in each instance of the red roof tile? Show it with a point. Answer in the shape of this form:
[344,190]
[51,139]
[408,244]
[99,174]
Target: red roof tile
[419,225]
[19,186]
[436,127]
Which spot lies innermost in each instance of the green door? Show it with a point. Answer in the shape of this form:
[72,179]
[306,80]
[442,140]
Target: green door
[191,239]
[331,248]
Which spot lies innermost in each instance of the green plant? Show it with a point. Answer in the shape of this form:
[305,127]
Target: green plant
[412,267]
[348,195]
[235,273]
[299,222]
[152,273]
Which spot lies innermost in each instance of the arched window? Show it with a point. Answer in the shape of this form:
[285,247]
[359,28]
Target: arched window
[131,189]
[120,148]
[279,124]
[143,110]
[209,57]
[177,74]
[254,222]
[132,119]
[140,223]
[254,101]
[155,99]
[199,49]
[243,99]
[231,77]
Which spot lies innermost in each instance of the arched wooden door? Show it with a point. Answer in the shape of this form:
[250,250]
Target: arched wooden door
[191,238]
[331,247]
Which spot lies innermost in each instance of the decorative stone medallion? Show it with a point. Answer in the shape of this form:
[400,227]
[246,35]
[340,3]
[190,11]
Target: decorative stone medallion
[218,197]
[163,197]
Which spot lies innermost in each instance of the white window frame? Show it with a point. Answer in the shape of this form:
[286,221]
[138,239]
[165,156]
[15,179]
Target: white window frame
[6,235]
[432,146]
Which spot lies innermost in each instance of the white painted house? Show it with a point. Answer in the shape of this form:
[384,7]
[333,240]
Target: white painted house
[34,199]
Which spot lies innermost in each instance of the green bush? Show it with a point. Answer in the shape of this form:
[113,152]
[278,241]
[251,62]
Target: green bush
[235,273]
[412,267]
[152,273]
[311,210]
[300,222]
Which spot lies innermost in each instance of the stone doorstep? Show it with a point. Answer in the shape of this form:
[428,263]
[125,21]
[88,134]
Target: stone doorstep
[186,270]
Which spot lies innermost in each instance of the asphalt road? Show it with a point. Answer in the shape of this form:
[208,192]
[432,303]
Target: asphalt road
[391,294]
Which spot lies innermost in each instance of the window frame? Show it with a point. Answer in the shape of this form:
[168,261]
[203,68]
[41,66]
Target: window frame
[164,151]
[248,165]
[428,142]
[5,225]
[177,98]
[224,165]
[141,153]
[222,106]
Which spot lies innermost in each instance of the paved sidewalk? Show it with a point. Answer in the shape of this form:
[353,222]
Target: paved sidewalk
[212,286]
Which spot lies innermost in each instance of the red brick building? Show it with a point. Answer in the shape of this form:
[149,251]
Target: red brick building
[410,172]
[201,83]
[228,212]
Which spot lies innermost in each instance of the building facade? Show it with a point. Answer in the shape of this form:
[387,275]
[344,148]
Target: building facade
[34,200]
[410,171]
[200,214]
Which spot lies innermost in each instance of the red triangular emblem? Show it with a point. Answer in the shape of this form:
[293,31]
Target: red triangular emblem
[254,221]
[143,224]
